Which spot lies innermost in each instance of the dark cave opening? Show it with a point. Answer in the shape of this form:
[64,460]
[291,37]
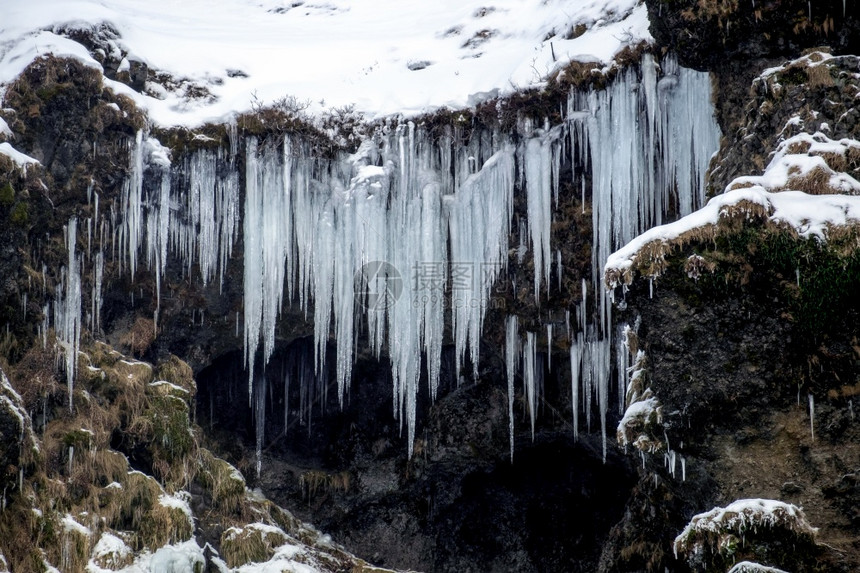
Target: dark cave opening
[458,504]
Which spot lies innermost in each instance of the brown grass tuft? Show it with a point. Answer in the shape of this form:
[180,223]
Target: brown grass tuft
[250,544]
[140,336]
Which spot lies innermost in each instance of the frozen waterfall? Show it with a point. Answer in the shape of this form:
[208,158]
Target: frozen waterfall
[410,234]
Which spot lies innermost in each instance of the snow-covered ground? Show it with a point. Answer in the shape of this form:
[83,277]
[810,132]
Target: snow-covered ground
[385,57]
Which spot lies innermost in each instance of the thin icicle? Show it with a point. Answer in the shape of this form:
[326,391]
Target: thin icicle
[531,377]
[576,348]
[512,358]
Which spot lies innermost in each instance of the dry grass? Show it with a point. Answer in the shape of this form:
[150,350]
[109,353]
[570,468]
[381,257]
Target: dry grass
[819,76]
[815,182]
[315,482]
[140,336]
[250,544]
[223,481]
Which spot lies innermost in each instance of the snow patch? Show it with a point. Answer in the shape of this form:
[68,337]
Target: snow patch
[341,51]
[21,160]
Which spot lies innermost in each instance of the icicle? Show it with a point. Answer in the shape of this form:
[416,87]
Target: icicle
[539,158]
[567,322]
[260,420]
[132,205]
[530,375]
[512,357]
[98,271]
[812,416]
[683,469]
[576,349]
[67,309]
[558,267]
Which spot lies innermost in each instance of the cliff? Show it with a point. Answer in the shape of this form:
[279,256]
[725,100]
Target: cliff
[564,274]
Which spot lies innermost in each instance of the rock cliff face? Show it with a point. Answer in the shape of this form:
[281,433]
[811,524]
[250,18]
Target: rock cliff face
[750,362]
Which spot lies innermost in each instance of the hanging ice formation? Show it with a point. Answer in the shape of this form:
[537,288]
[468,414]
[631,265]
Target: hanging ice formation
[377,239]
[67,309]
[646,141]
[374,234]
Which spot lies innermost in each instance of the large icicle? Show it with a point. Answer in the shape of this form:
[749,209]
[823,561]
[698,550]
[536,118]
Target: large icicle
[647,140]
[132,206]
[67,309]
[479,222]
[540,162]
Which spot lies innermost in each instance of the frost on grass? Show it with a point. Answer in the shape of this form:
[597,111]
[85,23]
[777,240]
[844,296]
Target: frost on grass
[756,528]
[641,424]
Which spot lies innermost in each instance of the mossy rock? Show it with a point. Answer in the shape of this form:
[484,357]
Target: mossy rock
[7,194]
[164,524]
[223,481]
[177,372]
[254,543]
[165,426]
[80,439]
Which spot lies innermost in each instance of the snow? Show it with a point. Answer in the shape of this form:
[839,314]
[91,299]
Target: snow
[636,415]
[20,159]
[5,132]
[69,524]
[185,557]
[109,548]
[750,567]
[788,164]
[169,385]
[810,216]
[180,500]
[386,57]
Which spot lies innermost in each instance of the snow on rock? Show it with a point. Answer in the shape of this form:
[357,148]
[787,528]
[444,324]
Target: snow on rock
[750,567]
[185,557]
[21,160]
[180,500]
[810,216]
[5,132]
[386,57]
[71,525]
[634,425]
[813,163]
[109,552]
[742,517]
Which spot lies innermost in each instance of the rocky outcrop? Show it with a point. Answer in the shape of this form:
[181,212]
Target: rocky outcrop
[708,34]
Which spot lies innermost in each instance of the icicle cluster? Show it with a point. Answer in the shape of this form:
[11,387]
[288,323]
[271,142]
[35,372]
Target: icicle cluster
[649,141]
[386,240]
[378,241]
